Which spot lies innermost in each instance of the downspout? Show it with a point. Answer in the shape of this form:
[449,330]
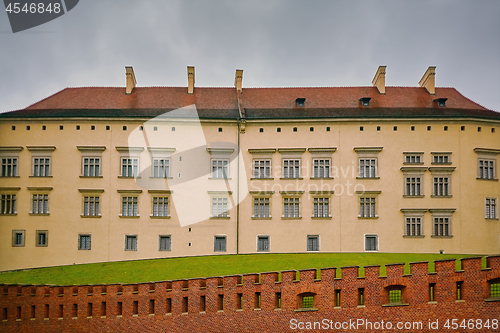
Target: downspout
[241,121]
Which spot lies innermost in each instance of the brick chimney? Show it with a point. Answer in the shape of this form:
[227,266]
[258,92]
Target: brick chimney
[190,79]
[130,77]
[379,79]
[238,80]
[427,81]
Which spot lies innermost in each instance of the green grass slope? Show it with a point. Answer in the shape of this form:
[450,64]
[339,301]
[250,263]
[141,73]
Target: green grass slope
[206,266]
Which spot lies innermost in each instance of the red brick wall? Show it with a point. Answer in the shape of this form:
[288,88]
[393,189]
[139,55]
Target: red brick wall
[16,302]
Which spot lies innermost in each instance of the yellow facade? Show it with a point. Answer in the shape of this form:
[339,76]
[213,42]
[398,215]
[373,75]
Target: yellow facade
[452,220]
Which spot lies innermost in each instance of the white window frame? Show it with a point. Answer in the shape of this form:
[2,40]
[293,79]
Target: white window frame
[262,155]
[365,236]
[368,154]
[417,215]
[9,200]
[439,155]
[441,172]
[83,247]
[222,199]
[408,156]
[161,154]
[40,191]
[317,238]
[321,154]
[372,197]
[134,245]
[168,247]
[13,154]
[222,155]
[219,168]
[316,196]
[134,194]
[91,193]
[91,152]
[262,168]
[268,249]
[264,195]
[443,213]
[38,152]
[289,155]
[293,199]
[491,208]
[490,155]
[132,154]
[317,167]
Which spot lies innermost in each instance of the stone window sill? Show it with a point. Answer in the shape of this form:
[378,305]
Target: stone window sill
[306,309]
[395,304]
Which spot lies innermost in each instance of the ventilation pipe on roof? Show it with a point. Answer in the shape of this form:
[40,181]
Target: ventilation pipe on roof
[238,80]
[190,79]
[131,82]
[428,81]
[379,79]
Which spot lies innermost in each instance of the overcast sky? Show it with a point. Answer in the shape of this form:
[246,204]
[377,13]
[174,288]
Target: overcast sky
[276,43]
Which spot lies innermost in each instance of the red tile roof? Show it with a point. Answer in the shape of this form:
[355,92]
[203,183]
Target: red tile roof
[258,103]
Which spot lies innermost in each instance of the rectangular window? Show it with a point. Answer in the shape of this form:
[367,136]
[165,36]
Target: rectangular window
[263,243]
[361,296]
[313,243]
[321,168]
[491,208]
[40,204]
[131,243]
[307,302]
[395,296]
[291,207]
[130,167]
[91,166]
[261,207]
[371,243]
[321,207]
[83,242]
[262,168]
[367,167]
[413,159]
[495,289]
[220,244]
[42,238]
[442,226]
[160,206]
[18,238]
[413,186]
[367,207]
[413,226]
[9,166]
[165,243]
[129,206]
[486,169]
[41,166]
[441,186]
[8,204]
[91,206]
[441,159]
[220,168]
[291,168]
[219,207]
[161,168]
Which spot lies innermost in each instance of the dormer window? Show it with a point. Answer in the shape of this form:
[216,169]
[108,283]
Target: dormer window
[365,101]
[441,102]
[299,102]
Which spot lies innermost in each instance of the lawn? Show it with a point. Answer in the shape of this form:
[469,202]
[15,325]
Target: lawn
[191,267]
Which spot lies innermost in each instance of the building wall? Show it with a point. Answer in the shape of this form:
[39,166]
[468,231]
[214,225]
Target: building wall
[232,303]
[343,232]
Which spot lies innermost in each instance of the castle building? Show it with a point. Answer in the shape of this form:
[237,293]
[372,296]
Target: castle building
[99,174]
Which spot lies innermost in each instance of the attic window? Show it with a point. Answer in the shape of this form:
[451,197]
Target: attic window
[299,102]
[441,102]
[365,101]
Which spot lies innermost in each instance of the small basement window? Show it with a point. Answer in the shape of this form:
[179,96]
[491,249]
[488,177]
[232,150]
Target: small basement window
[299,102]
